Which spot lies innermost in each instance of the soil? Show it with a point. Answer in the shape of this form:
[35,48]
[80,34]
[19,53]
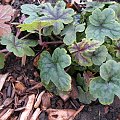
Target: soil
[94,111]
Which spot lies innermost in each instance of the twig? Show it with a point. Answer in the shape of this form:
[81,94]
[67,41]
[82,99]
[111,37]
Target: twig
[56,42]
[78,111]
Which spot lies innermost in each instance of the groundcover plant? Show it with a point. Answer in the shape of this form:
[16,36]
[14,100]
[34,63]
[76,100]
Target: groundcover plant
[75,44]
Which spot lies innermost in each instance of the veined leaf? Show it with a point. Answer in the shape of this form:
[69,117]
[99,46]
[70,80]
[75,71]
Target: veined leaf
[36,25]
[52,69]
[103,24]
[99,55]
[78,51]
[31,10]
[91,6]
[5,16]
[70,32]
[116,8]
[58,13]
[17,46]
[2,60]
[105,87]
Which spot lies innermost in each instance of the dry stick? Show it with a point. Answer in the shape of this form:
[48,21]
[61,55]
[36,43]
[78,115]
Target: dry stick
[78,111]
[7,114]
[37,103]
[28,107]
[36,114]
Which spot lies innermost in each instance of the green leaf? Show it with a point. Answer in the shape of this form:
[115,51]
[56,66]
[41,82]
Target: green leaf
[37,25]
[91,6]
[116,8]
[105,87]
[2,60]
[52,69]
[31,10]
[58,13]
[84,97]
[70,32]
[99,56]
[17,46]
[103,24]
[78,51]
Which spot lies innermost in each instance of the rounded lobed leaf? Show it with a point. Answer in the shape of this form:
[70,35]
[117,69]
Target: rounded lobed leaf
[110,70]
[17,46]
[102,24]
[100,55]
[58,13]
[52,69]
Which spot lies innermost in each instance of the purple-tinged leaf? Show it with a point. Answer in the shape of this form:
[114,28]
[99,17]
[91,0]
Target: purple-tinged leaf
[79,50]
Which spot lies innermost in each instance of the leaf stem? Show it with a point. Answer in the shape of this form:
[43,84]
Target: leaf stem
[55,42]
[4,50]
[40,38]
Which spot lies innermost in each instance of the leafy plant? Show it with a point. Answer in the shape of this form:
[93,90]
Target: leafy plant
[31,10]
[19,47]
[72,29]
[103,24]
[52,69]
[57,13]
[108,84]
[78,51]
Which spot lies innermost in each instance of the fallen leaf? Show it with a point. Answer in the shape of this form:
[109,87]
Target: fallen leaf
[5,15]
[46,102]
[20,86]
[59,114]
[74,91]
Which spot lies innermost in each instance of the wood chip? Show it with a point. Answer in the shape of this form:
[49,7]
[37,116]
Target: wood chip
[7,114]
[28,108]
[37,103]
[36,114]
[2,80]
[59,114]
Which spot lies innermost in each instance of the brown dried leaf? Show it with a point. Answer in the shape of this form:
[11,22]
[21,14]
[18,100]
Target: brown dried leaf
[20,86]
[5,15]
[74,91]
[46,102]
[58,114]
